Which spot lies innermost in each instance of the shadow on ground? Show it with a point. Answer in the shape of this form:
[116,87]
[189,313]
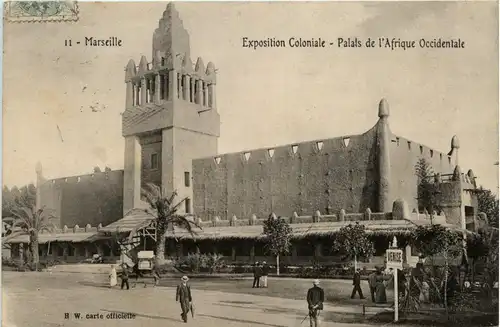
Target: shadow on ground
[338,317]
[241,320]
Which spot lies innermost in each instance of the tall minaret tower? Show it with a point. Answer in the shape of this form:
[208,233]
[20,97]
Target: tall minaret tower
[170,116]
[383,157]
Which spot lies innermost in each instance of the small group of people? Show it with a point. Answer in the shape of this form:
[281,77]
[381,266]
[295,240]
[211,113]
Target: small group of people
[260,273]
[124,275]
[113,276]
[183,293]
[377,283]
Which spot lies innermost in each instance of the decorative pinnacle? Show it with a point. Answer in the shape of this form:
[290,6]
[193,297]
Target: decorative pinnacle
[383,108]
[455,143]
[38,168]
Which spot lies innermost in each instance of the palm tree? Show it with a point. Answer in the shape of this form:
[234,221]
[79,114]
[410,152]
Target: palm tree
[30,220]
[165,216]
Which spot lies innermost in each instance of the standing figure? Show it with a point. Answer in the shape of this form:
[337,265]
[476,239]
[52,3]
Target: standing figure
[124,276]
[113,279]
[380,295]
[424,294]
[256,275]
[356,282]
[156,273]
[452,287]
[315,299]
[183,295]
[372,283]
[265,272]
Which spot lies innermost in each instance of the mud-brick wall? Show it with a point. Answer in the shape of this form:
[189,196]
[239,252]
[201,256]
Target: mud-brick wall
[404,155]
[89,199]
[325,175]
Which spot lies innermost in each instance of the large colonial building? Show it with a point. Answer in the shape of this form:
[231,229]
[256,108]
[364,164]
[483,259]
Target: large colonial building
[171,129]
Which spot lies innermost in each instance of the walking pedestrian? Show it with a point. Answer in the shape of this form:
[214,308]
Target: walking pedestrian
[183,295]
[315,299]
[356,282]
[265,273]
[372,283]
[124,276]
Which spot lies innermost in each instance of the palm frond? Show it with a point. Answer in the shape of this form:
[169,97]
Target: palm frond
[170,200]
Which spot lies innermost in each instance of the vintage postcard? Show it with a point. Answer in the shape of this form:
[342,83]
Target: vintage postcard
[250,164]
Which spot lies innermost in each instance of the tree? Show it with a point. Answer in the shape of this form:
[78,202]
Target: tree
[32,221]
[278,234]
[7,202]
[164,212]
[15,198]
[487,202]
[107,169]
[438,240]
[352,242]
[97,169]
[426,189]
[27,196]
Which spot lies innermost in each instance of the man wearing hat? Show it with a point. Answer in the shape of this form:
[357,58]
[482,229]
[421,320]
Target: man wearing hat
[265,272]
[315,298]
[183,295]
[257,272]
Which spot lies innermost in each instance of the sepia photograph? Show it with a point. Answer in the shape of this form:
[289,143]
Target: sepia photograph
[276,164]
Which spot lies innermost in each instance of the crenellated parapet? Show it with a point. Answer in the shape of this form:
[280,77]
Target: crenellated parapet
[76,229]
[170,74]
[315,217]
[114,176]
[168,79]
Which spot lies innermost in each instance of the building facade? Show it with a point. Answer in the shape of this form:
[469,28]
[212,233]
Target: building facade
[171,128]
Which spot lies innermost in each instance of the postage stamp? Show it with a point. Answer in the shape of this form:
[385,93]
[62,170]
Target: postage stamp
[41,11]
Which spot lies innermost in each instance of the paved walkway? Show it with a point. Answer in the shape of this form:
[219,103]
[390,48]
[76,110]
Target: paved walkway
[44,300]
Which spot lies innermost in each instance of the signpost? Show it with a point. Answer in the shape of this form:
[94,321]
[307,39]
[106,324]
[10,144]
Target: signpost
[394,260]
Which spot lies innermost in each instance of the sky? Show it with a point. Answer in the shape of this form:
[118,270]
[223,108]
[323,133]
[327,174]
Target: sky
[63,105]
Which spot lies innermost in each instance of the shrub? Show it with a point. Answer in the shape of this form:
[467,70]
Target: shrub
[214,262]
[196,263]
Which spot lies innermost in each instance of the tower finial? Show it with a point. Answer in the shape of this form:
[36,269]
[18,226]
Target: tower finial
[455,143]
[383,108]
[38,168]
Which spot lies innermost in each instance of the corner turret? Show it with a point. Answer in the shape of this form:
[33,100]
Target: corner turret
[383,108]
[383,157]
[455,145]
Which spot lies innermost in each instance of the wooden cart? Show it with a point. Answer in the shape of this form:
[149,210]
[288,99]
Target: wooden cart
[144,266]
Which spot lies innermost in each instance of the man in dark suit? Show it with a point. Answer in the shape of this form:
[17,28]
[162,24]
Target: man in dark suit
[183,295]
[356,282]
[256,275]
[315,299]
[124,276]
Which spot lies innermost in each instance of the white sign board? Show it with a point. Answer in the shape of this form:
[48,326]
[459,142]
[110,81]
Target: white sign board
[394,258]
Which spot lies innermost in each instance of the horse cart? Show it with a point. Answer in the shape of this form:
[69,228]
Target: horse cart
[145,267]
